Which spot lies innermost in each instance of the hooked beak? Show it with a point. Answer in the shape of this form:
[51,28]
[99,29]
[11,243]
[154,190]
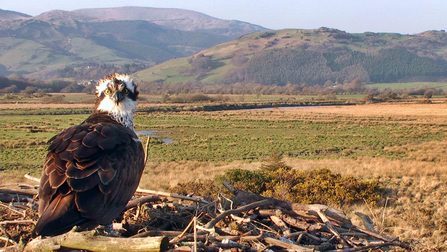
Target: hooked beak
[117,97]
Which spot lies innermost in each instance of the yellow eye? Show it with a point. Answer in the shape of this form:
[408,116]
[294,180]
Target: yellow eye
[125,90]
[107,92]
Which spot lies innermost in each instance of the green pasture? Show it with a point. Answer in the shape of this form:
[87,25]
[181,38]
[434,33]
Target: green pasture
[213,136]
[408,85]
[219,136]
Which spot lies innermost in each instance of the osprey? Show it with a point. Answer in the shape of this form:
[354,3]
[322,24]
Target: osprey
[92,169]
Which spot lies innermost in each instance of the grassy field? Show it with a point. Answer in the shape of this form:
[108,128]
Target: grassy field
[402,145]
[408,85]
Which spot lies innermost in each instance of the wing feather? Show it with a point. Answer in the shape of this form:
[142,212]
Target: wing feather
[74,172]
[91,172]
[91,139]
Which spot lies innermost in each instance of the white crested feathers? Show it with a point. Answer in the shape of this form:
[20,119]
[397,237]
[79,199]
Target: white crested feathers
[123,111]
[103,84]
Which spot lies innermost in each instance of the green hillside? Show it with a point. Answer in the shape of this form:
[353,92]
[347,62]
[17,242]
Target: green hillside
[313,57]
[39,47]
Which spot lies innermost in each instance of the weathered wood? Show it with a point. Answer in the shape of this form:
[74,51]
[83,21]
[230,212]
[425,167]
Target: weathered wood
[306,210]
[138,201]
[286,245]
[369,224]
[173,195]
[281,225]
[27,176]
[89,241]
[238,210]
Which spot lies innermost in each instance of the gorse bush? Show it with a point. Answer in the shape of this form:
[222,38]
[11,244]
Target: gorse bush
[319,186]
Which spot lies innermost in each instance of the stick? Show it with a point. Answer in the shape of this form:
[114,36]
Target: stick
[135,202]
[225,246]
[173,195]
[238,210]
[177,238]
[195,233]
[30,192]
[156,233]
[368,247]
[328,223]
[146,149]
[32,178]
[6,239]
[369,224]
[280,223]
[287,245]
[13,210]
[20,185]
[89,241]
[17,222]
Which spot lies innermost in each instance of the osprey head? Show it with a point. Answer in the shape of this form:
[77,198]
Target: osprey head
[117,95]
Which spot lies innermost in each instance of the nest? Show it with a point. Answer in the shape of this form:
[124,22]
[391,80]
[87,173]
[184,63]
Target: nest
[155,221]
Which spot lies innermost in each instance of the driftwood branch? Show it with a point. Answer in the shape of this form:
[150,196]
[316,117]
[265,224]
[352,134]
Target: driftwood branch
[287,245]
[173,195]
[139,201]
[89,241]
[28,176]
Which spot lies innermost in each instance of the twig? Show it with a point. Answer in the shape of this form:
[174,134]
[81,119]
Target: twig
[17,222]
[156,233]
[230,187]
[195,233]
[238,210]
[27,176]
[20,185]
[173,195]
[371,246]
[13,210]
[135,202]
[328,223]
[6,239]
[369,224]
[225,246]
[280,223]
[26,192]
[287,245]
[146,149]
[177,238]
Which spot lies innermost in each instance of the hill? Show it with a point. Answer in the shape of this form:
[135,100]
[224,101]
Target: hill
[180,19]
[11,15]
[70,44]
[312,57]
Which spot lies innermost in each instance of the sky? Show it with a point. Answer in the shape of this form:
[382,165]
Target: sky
[354,16]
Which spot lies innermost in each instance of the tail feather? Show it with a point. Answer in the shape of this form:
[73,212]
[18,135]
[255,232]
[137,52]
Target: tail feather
[59,217]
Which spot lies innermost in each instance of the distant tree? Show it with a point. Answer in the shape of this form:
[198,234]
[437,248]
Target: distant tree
[201,62]
[72,88]
[29,90]
[428,93]
[89,89]
[274,162]
[10,89]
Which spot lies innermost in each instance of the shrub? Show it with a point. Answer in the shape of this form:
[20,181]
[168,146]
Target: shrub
[274,162]
[206,187]
[252,181]
[319,186]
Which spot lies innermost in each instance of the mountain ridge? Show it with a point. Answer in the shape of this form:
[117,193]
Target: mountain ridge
[12,15]
[180,19]
[313,57]
[40,46]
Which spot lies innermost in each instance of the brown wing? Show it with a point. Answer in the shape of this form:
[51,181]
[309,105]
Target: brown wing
[91,172]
